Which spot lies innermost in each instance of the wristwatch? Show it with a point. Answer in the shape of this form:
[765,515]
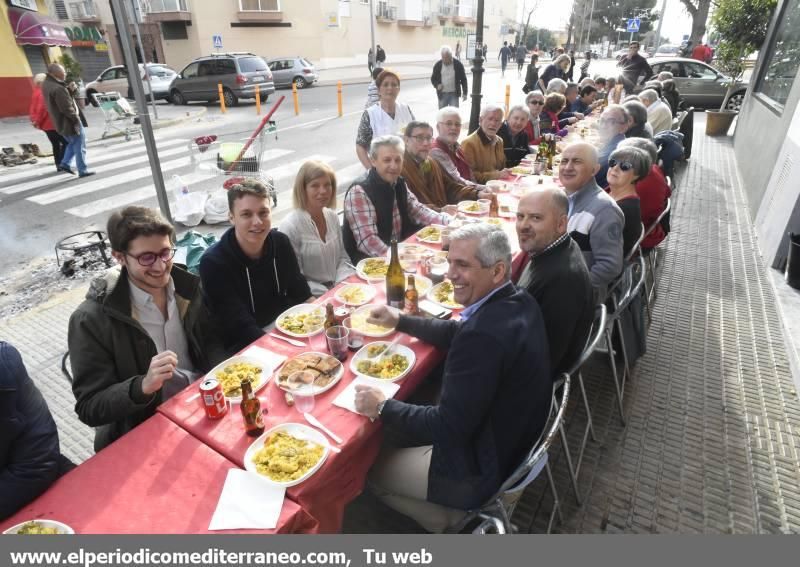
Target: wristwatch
[380,407]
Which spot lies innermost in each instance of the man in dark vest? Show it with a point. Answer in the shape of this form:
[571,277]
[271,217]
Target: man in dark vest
[378,205]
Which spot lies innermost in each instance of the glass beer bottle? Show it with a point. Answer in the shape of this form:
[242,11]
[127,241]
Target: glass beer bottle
[494,210]
[330,317]
[412,297]
[395,280]
[251,410]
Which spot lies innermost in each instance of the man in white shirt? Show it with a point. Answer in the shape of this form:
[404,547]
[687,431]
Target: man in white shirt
[659,115]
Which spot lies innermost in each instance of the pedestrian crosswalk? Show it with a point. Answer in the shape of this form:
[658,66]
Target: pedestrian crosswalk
[124,176]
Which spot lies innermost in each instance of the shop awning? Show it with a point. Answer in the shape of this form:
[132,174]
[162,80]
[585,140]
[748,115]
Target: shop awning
[31,28]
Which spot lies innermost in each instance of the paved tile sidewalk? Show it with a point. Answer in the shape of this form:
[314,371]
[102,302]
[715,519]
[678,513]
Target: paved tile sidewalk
[711,443]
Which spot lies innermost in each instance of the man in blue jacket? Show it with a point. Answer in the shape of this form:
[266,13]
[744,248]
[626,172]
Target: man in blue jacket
[495,397]
[30,460]
[251,275]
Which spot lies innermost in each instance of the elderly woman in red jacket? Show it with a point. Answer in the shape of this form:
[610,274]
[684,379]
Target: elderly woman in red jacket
[41,120]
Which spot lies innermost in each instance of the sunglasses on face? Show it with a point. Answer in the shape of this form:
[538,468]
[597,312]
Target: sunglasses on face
[149,258]
[536,102]
[623,165]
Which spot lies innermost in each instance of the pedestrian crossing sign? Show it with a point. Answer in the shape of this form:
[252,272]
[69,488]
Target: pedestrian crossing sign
[217,40]
[633,24]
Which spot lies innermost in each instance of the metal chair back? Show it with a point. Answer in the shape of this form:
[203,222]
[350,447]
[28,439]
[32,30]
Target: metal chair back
[636,245]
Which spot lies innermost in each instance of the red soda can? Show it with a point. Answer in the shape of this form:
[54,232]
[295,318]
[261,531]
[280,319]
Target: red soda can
[340,314]
[214,401]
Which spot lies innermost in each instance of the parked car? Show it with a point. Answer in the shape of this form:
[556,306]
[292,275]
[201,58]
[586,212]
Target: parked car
[668,50]
[700,84]
[239,74]
[116,79]
[288,70]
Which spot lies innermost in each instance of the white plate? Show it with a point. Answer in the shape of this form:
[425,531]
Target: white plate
[336,377]
[363,312]
[494,221]
[369,294]
[363,276]
[497,185]
[263,377]
[465,206]
[63,529]
[398,349]
[432,297]
[423,284]
[431,240]
[297,310]
[295,430]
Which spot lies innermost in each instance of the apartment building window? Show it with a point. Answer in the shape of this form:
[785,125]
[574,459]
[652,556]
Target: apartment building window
[260,5]
[780,66]
[61,10]
[156,6]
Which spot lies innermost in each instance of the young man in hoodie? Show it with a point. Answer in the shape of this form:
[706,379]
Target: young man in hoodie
[251,275]
[142,334]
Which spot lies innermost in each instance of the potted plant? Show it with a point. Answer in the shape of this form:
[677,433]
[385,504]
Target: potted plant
[741,26]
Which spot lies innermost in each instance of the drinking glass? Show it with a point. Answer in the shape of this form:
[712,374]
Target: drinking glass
[304,399]
[355,340]
[484,205]
[336,337]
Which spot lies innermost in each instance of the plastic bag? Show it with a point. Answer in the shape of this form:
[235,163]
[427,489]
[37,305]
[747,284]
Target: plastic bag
[217,207]
[191,247]
[189,207]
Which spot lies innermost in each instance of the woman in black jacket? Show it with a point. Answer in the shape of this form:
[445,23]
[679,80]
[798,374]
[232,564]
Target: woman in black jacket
[531,75]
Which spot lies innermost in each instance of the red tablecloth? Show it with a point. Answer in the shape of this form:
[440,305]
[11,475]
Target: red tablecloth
[325,494]
[157,479]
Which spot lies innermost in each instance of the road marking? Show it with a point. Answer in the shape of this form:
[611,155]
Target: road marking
[105,183]
[274,153]
[346,175]
[290,169]
[136,195]
[38,181]
[313,122]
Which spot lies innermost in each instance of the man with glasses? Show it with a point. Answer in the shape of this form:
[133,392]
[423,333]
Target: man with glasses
[446,150]
[612,125]
[142,334]
[595,221]
[424,176]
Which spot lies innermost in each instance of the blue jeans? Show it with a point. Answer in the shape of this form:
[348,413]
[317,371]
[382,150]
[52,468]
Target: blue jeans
[448,99]
[76,147]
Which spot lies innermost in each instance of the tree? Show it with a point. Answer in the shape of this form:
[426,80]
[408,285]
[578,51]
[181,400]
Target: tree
[608,16]
[698,10]
[742,28]
[71,67]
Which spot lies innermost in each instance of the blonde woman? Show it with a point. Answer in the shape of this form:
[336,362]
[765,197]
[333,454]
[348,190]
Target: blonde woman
[313,228]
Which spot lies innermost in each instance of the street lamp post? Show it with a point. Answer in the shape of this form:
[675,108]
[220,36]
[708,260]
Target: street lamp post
[372,31]
[660,21]
[477,72]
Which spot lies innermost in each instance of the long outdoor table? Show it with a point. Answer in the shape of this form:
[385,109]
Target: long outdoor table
[157,479]
[325,494]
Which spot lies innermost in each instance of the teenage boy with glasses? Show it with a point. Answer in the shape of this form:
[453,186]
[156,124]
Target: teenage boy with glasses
[142,334]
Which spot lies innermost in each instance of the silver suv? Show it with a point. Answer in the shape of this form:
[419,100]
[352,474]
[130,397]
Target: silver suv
[288,70]
[239,74]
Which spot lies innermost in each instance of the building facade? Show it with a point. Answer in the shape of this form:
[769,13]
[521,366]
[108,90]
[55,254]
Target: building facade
[768,132]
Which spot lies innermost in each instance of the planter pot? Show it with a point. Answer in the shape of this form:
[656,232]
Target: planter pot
[719,121]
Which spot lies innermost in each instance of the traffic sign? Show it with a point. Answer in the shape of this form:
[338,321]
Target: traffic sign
[633,24]
[217,40]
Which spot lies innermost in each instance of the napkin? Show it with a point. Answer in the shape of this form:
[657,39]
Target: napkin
[269,359]
[247,502]
[347,398]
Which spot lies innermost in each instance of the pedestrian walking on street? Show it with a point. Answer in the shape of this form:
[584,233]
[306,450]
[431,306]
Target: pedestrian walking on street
[458,50]
[370,60]
[449,79]
[485,50]
[521,53]
[380,55]
[571,70]
[40,119]
[372,90]
[585,66]
[531,75]
[504,55]
[66,118]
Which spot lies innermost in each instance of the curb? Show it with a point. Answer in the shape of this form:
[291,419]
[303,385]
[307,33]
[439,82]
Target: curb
[159,124]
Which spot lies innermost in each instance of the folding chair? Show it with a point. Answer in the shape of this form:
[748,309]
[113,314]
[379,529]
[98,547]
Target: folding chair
[595,334]
[496,514]
[652,256]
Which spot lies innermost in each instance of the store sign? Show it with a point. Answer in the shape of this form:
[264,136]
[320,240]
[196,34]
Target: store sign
[84,37]
[456,31]
[24,4]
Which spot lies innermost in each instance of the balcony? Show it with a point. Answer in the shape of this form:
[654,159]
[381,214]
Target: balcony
[386,13]
[445,10]
[428,19]
[84,11]
[167,10]
[464,13]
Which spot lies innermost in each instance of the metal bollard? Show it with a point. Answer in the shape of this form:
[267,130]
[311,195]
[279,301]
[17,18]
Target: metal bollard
[296,99]
[221,98]
[508,97]
[339,96]
[258,100]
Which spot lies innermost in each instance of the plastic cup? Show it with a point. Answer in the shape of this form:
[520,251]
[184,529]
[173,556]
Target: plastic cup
[438,269]
[336,338]
[304,399]
[355,340]
[484,205]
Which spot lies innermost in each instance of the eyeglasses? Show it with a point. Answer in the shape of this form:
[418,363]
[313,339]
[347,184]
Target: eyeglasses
[149,258]
[422,139]
[451,124]
[536,102]
[623,165]
[604,120]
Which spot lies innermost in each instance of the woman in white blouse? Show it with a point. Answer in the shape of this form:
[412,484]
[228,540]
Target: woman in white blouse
[313,228]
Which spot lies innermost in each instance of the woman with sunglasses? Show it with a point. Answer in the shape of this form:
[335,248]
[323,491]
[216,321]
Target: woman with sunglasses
[627,166]
[535,103]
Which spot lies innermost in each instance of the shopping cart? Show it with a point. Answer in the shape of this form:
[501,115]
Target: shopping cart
[228,162]
[118,114]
